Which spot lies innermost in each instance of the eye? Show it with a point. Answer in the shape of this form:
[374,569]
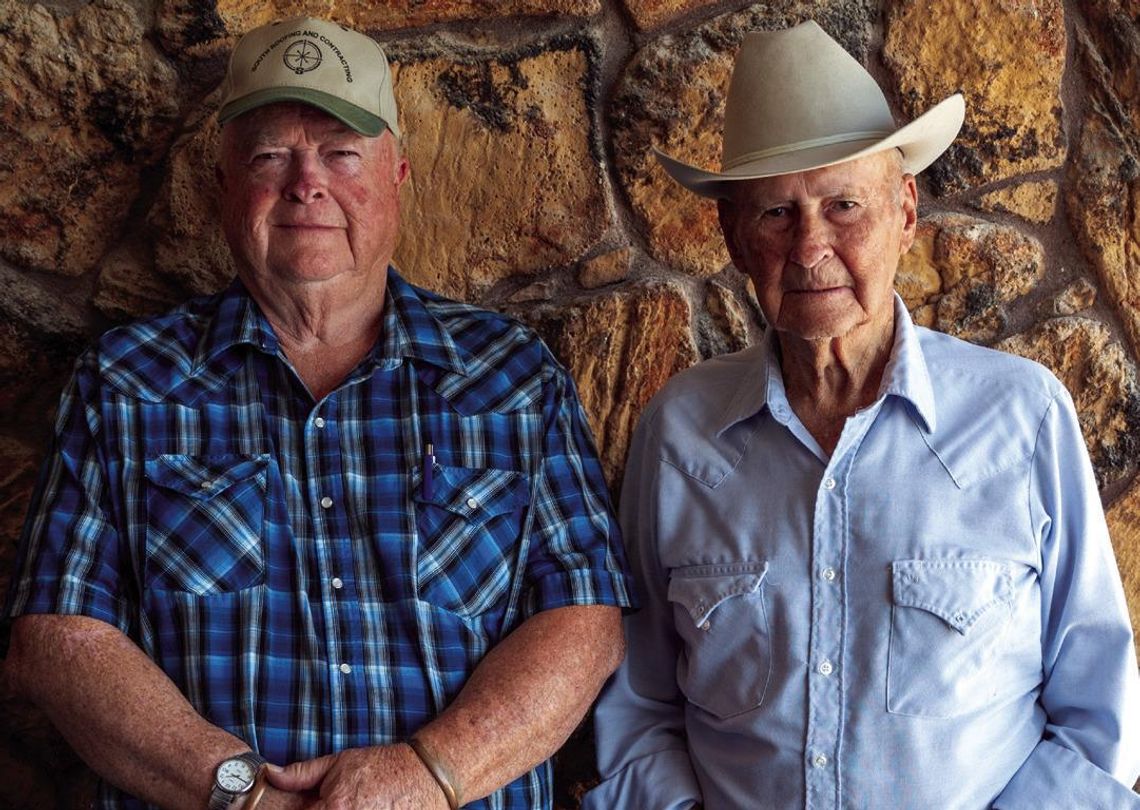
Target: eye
[845,205]
[265,157]
[777,212]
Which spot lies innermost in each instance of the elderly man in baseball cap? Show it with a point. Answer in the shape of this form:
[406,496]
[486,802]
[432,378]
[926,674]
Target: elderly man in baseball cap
[874,567]
[323,519]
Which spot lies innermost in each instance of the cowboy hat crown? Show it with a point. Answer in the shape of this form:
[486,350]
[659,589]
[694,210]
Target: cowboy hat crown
[798,101]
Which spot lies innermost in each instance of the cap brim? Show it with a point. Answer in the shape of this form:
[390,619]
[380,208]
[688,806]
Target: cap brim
[921,142]
[352,116]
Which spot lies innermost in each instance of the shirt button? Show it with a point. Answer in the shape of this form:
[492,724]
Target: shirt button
[828,574]
[826,667]
[472,503]
[829,483]
[206,484]
[319,421]
[337,583]
[345,668]
[820,761]
[706,626]
[326,502]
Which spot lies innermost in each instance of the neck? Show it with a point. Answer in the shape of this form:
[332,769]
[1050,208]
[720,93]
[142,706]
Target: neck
[325,328]
[829,380]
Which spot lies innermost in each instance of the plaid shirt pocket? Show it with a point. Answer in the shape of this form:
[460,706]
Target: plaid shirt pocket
[469,531]
[204,526]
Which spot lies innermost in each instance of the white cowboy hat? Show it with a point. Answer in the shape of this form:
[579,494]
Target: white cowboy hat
[798,101]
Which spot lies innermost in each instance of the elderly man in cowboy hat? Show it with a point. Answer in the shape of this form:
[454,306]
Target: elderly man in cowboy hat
[323,519]
[874,566]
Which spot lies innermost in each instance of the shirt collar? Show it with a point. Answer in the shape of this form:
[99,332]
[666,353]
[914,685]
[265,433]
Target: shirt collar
[409,330]
[905,376]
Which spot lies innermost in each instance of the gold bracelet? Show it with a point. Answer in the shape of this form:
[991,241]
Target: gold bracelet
[260,785]
[433,767]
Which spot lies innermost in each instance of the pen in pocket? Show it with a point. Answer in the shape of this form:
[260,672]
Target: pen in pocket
[428,486]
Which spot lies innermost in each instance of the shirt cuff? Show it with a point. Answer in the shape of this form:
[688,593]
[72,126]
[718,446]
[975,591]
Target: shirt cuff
[1055,776]
[661,781]
[581,587]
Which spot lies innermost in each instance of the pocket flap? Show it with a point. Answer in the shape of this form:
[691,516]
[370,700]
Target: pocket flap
[701,588]
[202,477]
[956,591]
[475,494]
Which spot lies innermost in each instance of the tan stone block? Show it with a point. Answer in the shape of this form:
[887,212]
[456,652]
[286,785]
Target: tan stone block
[503,177]
[620,348]
[981,268]
[608,268]
[1111,58]
[1096,370]
[241,16]
[649,14]
[1007,57]
[128,286]
[1035,201]
[1124,528]
[88,106]
[1102,191]
[671,96]
[730,317]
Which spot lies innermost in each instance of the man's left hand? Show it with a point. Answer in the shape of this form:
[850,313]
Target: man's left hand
[388,777]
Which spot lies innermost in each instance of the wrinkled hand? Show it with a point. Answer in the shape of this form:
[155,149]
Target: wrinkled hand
[389,777]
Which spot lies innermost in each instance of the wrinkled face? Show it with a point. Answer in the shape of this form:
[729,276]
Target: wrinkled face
[305,199]
[822,246]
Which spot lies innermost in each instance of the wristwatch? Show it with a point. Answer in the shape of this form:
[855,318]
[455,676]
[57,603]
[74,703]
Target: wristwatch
[233,778]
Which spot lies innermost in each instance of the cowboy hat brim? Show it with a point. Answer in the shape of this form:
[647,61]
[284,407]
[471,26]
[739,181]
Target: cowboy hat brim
[921,142]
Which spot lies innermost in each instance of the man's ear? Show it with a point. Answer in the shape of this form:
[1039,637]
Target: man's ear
[909,194]
[726,213]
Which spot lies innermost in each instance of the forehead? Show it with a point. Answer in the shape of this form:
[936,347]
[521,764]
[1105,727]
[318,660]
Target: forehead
[864,175]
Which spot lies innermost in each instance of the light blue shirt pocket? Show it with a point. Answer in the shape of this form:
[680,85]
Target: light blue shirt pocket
[721,617]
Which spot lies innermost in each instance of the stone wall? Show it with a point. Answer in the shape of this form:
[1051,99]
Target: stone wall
[529,126]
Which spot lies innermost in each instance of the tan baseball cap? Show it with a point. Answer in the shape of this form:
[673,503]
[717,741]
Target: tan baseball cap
[316,62]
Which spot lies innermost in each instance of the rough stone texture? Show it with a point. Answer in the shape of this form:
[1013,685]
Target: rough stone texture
[604,269]
[1036,201]
[1010,76]
[671,97]
[648,14]
[962,272]
[1124,528]
[1095,369]
[87,106]
[620,348]
[393,14]
[1076,297]
[730,318]
[1102,177]
[474,128]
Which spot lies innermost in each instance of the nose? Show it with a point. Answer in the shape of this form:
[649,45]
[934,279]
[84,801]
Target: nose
[306,182]
[811,241]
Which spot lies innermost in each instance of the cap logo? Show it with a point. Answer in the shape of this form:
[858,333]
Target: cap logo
[302,56]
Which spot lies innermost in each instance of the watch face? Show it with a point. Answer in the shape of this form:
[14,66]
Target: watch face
[235,775]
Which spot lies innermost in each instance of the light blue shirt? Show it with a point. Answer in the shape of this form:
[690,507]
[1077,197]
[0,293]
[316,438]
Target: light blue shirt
[930,618]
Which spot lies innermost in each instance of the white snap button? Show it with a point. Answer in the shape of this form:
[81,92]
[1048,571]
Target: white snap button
[319,421]
[826,667]
[326,502]
[206,484]
[829,484]
[337,583]
[828,574]
[820,761]
[345,668]
[472,503]
[705,625]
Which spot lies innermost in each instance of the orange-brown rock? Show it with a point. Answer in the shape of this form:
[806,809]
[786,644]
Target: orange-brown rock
[1007,58]
[733,329]
[1124,528]
[1102,380]
[620,348]
[241,16]
[1032,201]
[606,268]
[649,14]
[671,96]
[504,180]
[87,106]
[962,272]
[1074,298]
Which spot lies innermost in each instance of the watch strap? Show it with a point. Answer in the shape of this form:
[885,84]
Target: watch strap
[220,798]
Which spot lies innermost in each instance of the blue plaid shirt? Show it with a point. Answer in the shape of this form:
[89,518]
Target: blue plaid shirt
[283,560]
